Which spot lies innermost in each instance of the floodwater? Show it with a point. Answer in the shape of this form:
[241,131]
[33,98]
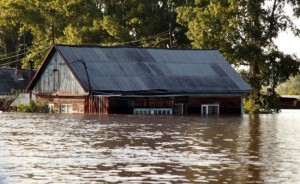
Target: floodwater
[59,148]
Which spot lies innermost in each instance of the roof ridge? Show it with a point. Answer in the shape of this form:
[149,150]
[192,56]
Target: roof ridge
[129,47]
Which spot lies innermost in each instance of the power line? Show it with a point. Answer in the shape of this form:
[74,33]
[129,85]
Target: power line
[145,39]
[3,64]
[19,54]
[20,49]
[165,33]
[22,53]
[5,55]
[15,61]
[161,41]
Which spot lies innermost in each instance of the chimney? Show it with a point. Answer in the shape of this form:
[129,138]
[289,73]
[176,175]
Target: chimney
[31,70]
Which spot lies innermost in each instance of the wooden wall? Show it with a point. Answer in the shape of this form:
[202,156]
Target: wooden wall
[119,105]
[58,79]
[126,105]
[228,105]
[78,102]
[192,105]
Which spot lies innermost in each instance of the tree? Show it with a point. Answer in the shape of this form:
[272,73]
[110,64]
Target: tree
[13,39]
[244,32]
[290,87]
[105,22]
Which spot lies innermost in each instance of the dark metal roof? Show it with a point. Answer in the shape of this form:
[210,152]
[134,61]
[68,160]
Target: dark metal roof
[9,80]
[150,70]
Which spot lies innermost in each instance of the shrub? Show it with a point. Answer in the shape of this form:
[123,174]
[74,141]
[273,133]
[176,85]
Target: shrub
[33,106]
[250,107]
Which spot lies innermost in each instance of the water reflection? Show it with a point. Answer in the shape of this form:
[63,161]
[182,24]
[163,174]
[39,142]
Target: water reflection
[56,148]
[248,150]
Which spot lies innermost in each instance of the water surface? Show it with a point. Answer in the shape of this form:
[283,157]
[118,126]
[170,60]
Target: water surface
[59,148]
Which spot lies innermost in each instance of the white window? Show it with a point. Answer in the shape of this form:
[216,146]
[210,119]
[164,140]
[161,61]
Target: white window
[66,108]
[207,109]
[153,111]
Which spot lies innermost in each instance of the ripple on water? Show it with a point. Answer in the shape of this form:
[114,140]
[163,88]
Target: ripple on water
[53,148]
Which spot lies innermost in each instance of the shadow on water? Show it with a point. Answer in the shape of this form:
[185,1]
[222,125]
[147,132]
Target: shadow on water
[60,148]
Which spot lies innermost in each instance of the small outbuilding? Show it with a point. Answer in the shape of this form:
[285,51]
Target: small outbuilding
[123,80]
[289,101]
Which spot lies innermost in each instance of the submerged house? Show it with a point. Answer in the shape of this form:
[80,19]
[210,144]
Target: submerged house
[13,83]
[122,80]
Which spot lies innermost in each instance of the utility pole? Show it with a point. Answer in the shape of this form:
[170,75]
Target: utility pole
[52,12]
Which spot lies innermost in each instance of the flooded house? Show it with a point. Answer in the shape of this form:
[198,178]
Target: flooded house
[124,80]
[13,84]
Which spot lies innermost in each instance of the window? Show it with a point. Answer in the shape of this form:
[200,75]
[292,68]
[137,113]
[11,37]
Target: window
[207,109]
[153,111]
[66,108]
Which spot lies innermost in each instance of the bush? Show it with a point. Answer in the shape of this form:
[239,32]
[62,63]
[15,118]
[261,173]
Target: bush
[33,106]
[250,107]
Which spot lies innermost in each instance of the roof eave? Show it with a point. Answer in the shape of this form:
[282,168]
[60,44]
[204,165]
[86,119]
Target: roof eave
[172,93]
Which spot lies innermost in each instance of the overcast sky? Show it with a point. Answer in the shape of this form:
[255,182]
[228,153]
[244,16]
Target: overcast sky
[286,41]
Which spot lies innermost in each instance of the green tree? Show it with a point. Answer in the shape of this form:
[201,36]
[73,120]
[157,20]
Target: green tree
[13,40]
[244,32]
[290,87]
[105,22]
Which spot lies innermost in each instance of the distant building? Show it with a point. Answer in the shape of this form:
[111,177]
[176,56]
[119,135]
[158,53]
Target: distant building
[12,83]
[94,79]
[290,101]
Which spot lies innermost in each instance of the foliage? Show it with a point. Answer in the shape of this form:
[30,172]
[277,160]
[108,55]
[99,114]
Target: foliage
[268,103]
[271,102]
[33,106]
[291,87]
[5,103]
[250,106]
[244,32]
[32,26]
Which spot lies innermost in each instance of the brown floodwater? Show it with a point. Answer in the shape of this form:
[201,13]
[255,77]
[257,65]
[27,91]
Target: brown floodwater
[62,148]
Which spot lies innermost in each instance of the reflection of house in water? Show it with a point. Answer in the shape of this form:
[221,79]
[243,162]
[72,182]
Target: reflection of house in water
[290,101]
[13,82]
[93,79]
[248,150]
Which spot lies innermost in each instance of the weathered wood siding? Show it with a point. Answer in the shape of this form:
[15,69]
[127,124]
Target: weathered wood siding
[191,105]
[77,102]
[58,79]
[117,105]
[228,105]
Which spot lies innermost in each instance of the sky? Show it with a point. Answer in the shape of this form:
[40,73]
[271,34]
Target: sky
[286,41]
